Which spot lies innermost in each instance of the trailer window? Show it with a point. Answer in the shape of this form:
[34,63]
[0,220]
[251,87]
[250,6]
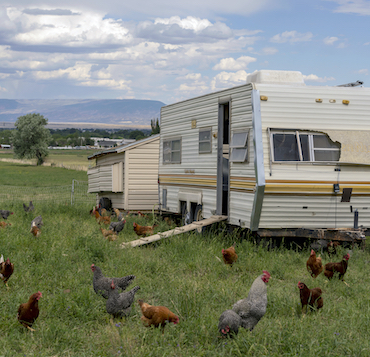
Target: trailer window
[239,146]
[205,138]
[303,146]
[172,151]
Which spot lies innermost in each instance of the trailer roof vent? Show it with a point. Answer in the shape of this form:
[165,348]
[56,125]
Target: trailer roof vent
[276,77]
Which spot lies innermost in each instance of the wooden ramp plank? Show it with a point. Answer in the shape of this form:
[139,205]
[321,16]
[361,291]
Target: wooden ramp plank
[173,232]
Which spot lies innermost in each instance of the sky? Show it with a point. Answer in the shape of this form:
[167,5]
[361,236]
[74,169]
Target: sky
[170,50]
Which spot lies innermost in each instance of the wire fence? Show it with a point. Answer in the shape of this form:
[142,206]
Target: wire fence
[69,194]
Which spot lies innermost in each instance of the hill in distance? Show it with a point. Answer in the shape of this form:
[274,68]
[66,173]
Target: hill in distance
[83,113]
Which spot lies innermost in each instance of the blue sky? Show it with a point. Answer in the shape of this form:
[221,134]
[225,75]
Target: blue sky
[172,50]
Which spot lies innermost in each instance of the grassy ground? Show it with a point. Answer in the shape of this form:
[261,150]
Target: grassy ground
[75,159]
[183,273]
[35,176]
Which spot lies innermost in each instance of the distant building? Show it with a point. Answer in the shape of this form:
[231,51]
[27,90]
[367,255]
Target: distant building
[106,143]
[5,146]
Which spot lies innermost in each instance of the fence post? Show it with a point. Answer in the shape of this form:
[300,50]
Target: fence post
[73,191]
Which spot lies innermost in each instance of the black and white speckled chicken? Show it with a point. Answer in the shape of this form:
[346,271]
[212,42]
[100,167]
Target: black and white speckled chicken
[253,307]
[117,226]
[5,213]
[119,304]
[101,283]
[37,222]
[28,208]
[229,323]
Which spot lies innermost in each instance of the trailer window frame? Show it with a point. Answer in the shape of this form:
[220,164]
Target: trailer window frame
[205,141]
[171,154]
[239,150]
[302,146]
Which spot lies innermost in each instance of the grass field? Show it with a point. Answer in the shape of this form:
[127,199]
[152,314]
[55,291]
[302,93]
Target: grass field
[183,273]
[35,176]
[75,159]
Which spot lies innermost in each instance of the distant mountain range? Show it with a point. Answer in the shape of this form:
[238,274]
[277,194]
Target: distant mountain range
[86,113]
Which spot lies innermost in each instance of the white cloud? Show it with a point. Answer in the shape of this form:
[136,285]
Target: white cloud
[359,7]
[269,50]
[330,40]
[228,79]
[315,78]
[292,37]
[86,30]
[3,89]
[189,23]
[231,64]
[363,71]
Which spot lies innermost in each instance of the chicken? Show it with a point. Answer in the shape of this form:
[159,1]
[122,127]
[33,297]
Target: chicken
[101,284]
[141,214]
[102,219]
[6,270]
[253,307]
[36,225]
[117,226]
[118,214]
[144,230]
[311,297]
[229,255]
[29,311]
[35,231]
[229,323]
[28,208]
[109,234]
[119,304]
[156,315]
[3,224]
[5,213]
[340,268]
[314,264]
[93,210]
[37,222]
[332,248]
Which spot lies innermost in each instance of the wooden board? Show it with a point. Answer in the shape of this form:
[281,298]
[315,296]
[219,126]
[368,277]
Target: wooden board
[176,231]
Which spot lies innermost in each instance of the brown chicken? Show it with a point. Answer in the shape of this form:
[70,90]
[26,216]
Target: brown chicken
[141,214]
[332,248]
[156,315]
[229,255]
[340,268]
[314,265]
[102,219]
[311,297]
[144,230]
[4,224]
[109,234]
[36,231]
[29,311]
[6,270]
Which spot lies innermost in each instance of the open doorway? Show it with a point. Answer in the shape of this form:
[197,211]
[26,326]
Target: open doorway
[223,159]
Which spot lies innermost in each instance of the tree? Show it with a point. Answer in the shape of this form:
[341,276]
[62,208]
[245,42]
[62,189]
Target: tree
[155,126]
[31,138]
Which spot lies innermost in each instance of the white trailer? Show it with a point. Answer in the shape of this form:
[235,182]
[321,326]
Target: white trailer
[270,154]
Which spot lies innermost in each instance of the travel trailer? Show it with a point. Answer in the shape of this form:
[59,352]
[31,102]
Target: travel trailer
[272,154]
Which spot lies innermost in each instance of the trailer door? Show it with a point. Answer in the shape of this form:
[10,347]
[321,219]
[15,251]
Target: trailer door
[223,181]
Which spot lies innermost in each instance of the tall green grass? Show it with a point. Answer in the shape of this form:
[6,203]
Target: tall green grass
[35,176]
[183,273]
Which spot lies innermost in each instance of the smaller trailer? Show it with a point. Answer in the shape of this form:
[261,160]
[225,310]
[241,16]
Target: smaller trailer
[127,175]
